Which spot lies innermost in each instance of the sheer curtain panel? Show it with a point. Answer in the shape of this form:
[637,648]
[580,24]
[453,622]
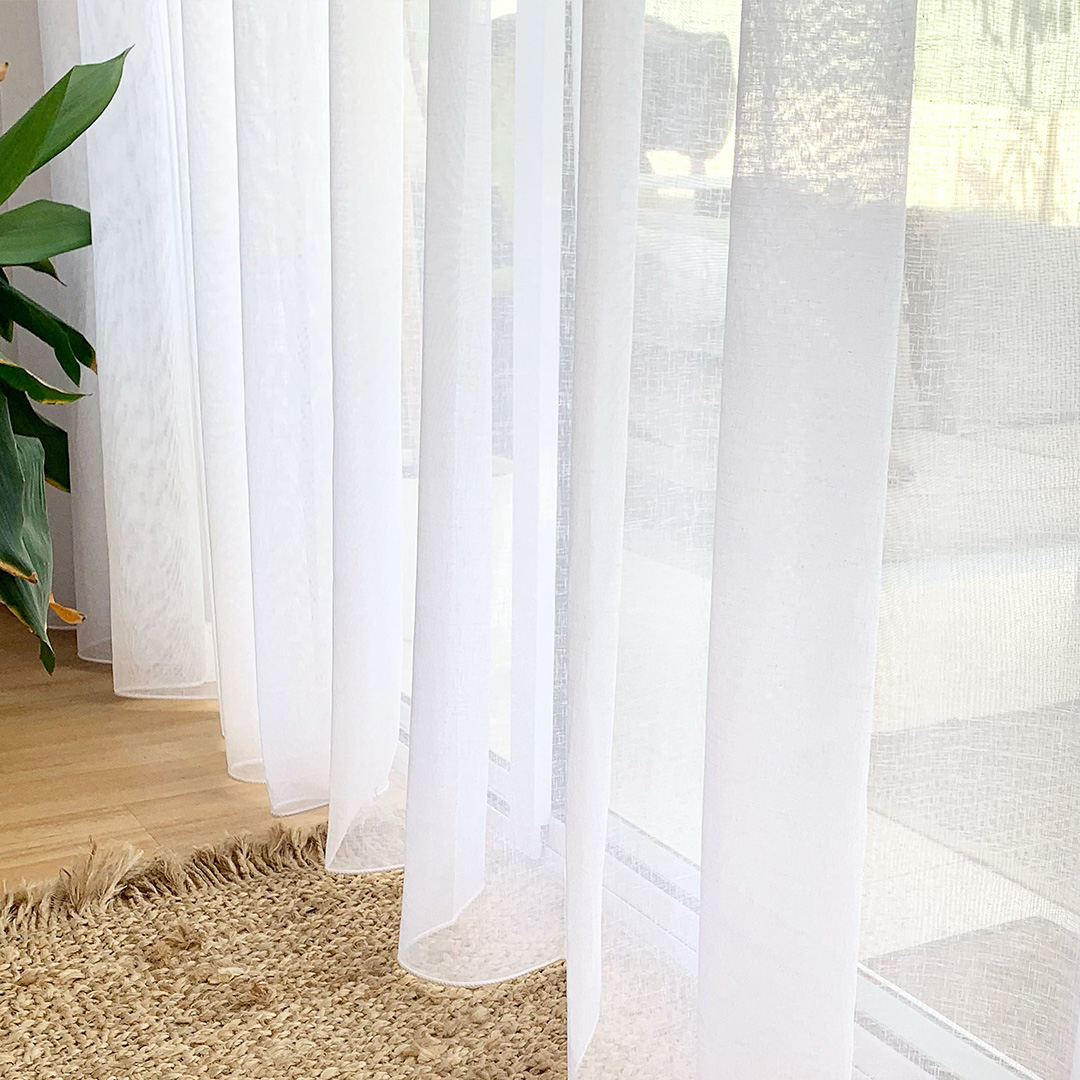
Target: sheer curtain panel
[517,414]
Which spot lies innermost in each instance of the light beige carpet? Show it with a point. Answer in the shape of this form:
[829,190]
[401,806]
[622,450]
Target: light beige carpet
[247,960]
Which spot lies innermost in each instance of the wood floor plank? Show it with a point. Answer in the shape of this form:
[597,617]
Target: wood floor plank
[39,847]
[77,762]
[179,821]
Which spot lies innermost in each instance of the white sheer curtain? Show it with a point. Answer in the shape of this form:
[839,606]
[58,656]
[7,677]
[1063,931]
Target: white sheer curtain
[409,444]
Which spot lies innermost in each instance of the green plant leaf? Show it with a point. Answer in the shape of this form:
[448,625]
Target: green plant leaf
[90,89]
[25,420]
[39,230]
[15,557]
[43,266]
[38,389]
[22,497]
[7,327]
[70,347]
[21,144]
[56,120]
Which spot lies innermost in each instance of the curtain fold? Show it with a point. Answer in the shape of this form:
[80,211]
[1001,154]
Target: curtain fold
[367,194]
[537,251]
[612,42]
[539,400]
[160,633]
[58,25]
[451,687]
[210,102]
[283,169]
[805,423]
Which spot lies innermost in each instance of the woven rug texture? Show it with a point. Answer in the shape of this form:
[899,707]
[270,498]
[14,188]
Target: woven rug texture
[247,960]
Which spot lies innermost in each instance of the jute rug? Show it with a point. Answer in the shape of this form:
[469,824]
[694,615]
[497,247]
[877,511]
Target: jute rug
[247,960]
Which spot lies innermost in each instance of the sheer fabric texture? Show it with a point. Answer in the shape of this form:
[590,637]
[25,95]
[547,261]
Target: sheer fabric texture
[520,415]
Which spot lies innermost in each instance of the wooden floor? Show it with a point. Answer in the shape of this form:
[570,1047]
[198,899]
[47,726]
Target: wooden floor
[77,762]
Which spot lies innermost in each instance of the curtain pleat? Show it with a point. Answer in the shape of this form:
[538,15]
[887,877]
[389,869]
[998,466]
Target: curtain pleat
[607,197]
[805,422]
[58,27]
[367,193]
[160,630]
[537,251]
[210,101]
[451,686]
[283,168]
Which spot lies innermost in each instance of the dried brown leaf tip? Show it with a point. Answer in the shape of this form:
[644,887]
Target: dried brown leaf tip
[3,70]
[66,614]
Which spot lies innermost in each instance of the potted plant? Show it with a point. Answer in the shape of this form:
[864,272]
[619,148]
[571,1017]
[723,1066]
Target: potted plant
[33,450]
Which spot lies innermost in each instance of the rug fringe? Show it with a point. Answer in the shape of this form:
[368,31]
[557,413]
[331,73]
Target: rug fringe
[119,873]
